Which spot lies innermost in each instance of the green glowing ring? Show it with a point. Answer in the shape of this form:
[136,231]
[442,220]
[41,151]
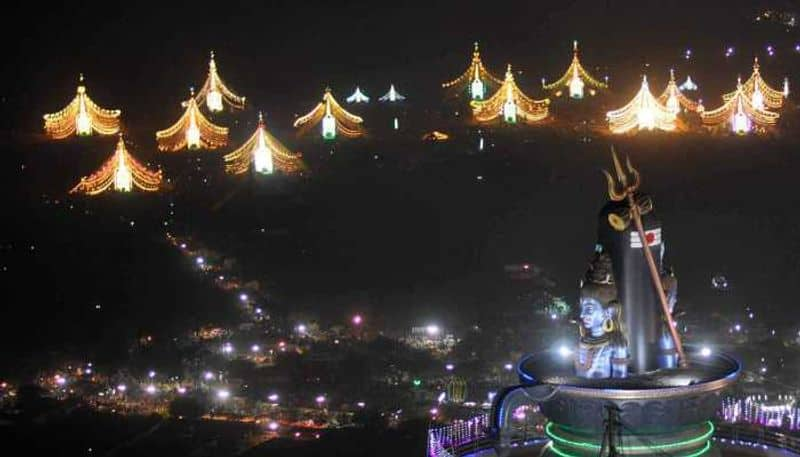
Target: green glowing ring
[705,449]
[596,447]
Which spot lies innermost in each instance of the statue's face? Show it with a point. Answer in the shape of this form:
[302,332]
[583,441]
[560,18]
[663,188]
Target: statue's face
[592,315]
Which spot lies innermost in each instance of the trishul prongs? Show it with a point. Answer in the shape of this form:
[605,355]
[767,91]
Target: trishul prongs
[619,189]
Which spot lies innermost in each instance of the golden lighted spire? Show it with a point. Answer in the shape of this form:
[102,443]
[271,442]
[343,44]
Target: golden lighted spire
[644,112]
[121,172]
[510,103]
[476,79]
[265,153]
[575,79]
[214,91]
[82,117]
[739,114]
[335,119]
[674,99]
[762,95]
[192,131]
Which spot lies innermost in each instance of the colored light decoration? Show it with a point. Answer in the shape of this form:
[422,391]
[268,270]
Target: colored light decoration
[392,95]
[265,153]
[687,54]
[216,93]
[357,319]
[335,119]
[357,97]
[688,85]
[476,79]
[643,112]
[740,115]
[729,51]
[770,50]
[575,79]
[755,84]
[192,131]
[416,382]
[674,99]
[510,103]
[81,117]
[121,172]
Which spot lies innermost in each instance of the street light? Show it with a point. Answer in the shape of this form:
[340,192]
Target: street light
[223,394]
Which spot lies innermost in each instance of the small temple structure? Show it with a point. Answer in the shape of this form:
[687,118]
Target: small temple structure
[215,93]
[81,117]
[357,97]
[575,80]
[264,153]
[335,119]
[476,80]
[762,95]
[122,173]
[510,103]
[192,131]
[675,100]
[392,95]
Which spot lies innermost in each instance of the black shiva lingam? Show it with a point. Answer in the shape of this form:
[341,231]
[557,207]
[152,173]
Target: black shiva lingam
[629,388]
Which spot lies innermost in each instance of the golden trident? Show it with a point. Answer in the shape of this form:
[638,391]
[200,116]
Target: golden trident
[620,190]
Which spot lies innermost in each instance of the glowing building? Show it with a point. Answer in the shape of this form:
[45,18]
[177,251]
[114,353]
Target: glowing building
[644,112]
[392,95]
[673,98]
[761,95]
[739,114]
[510,103]
[575,79]
[265,153]
[81,117]
[121,172]
[357,97]
[192,131]
[335,119]
[214,91]
[688,85]
[476,80]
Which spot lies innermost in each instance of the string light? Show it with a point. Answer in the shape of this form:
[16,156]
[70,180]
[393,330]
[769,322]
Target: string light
[644,112]
[761,95]
[335,119]
[192,130]
[739,113]
[122,173]
[575,78]
[475,79]
[511,103]
[214,91]
[357,97]
[81,117]
[392,95]
[673,98]
[265,153]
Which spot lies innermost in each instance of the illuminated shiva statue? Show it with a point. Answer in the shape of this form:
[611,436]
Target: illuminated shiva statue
[603,348]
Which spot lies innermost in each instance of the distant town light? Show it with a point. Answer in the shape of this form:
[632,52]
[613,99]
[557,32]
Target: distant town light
[417,382]
[151,374]
[357,319]
[320,399]
[737,327]
[361,404]
[273,426]
[255,348]
[223,394]
[705,351]
[200,260]
[432,330]
[243,297]
[273,398]
[449,367]
[208,376]
[181,390]
[60,380]
[151,389]
[564,351]
[183,245]
[258,311]
[122,388]
[490,395]
[441,397]
[301,329]
[227,348]
[508,367]
[434,411]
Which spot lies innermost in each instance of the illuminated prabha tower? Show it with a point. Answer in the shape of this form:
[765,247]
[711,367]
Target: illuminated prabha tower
[215,93]
[476,80]
[122,173]
[192,131]
[762,96]
[335,119]
[510,103]
[265,153]
[392,95]
[644,112]
[674,99]
[81,117]
[740,114]
[575,79]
